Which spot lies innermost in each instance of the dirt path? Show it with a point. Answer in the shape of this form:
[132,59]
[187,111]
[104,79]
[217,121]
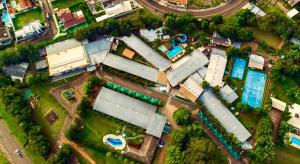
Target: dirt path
[275,117]
[80,150]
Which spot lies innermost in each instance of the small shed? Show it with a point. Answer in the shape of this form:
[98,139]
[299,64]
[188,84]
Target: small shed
[128,53]
[292,13]
[41,65]
[278,104]
[256,61]
[16,71]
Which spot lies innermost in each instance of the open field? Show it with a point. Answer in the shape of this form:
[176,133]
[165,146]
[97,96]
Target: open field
[270,38]
[20,135]
[48,103]
[280,87]
[287,154]
[24,18]
[61,4]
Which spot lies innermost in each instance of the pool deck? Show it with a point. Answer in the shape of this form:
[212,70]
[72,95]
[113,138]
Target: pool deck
[295,136]
[115,137]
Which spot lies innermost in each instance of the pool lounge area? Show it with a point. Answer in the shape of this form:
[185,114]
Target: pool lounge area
[238,68]
[253,91]
[295,140]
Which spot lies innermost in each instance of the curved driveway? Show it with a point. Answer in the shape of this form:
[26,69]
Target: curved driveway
[226,9]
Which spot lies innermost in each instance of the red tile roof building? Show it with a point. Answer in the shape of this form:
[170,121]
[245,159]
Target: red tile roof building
[25,4]
[70,19]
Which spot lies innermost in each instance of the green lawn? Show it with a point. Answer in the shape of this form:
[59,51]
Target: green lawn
[46,104]
[249,120]
[20,135]
[96,126]
[287,155]
[280,87]
[3,160]
[24,18]
[270,38]
[61,4]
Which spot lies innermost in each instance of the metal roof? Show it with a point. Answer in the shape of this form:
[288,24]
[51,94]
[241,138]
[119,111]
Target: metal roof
[130,110]
[278,104]
[224,116]
[216,68]
[228,94]
[17,70]
[196,61]
[97,50]
[146,52]
[131,67]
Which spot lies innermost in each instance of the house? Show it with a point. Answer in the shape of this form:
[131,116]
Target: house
[30,31]
[220,41]
[230,123]
[115,9]
[179,3]
[278,104]
[293,2]
[296,41]
[192,63]
[146,52]
[16,71]
[228,94]
[130,110]
[5,37]
[66,58]
[69,19]
[256,61]
[295,114]
[216,68]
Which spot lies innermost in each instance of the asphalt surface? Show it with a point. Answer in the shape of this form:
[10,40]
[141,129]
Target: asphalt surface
[8,145]
[226,9]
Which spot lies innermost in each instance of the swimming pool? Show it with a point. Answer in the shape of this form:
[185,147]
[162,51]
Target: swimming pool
[6,19]
[114,141]
[295,140]
[238,68]
[254,88]
[174,52]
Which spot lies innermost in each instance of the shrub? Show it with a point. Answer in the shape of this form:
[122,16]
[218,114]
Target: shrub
[182,116]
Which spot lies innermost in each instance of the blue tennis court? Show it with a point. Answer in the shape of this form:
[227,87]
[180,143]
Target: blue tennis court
[238,68]
[254,88]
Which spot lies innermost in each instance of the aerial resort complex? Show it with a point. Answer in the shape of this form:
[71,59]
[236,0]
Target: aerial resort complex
[152,82]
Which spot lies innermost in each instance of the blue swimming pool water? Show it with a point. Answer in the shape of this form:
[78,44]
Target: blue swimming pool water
[114,142]
[5,18]
[295,140]
[238,68]
[174,52]
[254,88]
[13,4]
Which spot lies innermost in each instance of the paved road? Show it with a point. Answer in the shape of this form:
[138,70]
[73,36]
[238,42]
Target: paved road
[228,8]
[8,144]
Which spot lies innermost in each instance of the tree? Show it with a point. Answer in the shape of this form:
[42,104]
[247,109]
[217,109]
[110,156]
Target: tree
[205,84]
[203,150]
[74,132]
[174,155]
[182,116]
[217,19]
[63,156]
[82,108]
[284,129]
[91,84]
[4,80]
[179,138]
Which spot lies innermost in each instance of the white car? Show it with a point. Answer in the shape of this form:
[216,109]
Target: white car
[18,152]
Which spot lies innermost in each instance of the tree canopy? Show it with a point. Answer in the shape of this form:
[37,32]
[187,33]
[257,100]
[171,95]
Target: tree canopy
[182,116]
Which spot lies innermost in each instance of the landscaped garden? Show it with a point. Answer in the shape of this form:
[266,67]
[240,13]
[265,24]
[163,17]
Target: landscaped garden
[25,18]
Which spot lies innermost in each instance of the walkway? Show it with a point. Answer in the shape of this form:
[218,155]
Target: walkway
[226,9]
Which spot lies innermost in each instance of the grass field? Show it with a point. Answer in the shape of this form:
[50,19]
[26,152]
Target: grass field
[24,18]
[61,4]
[96,126]
[249,120]
[270,38]
[46,104]
[3,160]
[280,87]
[287,155]
[20,135]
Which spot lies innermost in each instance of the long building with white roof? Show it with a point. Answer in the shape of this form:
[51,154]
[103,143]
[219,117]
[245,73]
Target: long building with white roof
[146,52]
[132,67]
[196,61]
[130,110]
[224,116]
[216,68]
